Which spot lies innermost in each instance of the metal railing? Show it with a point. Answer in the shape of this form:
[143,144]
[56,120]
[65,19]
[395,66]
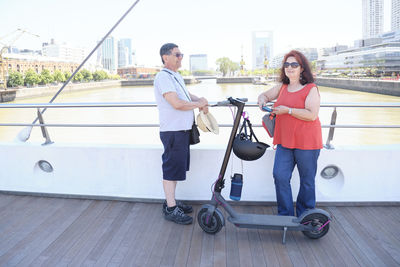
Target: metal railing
[332,126]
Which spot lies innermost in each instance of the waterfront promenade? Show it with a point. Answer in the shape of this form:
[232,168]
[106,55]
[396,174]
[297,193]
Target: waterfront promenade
[40,231]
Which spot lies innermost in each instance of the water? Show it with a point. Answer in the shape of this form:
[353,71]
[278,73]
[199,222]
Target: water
[208,89]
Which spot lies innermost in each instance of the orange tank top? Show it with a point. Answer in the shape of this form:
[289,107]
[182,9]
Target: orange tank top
[291,132]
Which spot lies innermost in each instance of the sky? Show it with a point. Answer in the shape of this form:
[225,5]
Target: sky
[218,28]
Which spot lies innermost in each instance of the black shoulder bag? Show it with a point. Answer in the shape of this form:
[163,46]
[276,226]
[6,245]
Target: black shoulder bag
[194,132]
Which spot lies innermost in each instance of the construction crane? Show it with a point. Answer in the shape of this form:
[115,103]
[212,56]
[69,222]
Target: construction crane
[4,48]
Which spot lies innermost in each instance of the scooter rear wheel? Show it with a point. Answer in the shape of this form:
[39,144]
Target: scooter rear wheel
[212,224]
[317,220]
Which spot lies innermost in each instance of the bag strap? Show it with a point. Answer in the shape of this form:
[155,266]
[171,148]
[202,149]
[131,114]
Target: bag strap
[246,122]
[183,89]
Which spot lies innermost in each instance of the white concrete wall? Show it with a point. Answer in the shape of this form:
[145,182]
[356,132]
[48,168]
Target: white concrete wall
[366,174]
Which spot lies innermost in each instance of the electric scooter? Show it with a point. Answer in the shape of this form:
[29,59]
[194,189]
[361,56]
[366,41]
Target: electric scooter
[314,223]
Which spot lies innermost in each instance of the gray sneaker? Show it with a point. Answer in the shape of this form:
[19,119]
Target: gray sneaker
[177,216]
[186,208]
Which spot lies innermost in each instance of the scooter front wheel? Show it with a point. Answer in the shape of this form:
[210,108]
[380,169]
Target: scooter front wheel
[210,224]
[320,223]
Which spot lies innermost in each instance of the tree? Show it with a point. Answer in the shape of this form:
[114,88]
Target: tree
[45,77]
[78,77]
[100,75]
[223,65]
[58,76]
[67,74]
[184,72]
[15,78]
[31,78]
[87,75]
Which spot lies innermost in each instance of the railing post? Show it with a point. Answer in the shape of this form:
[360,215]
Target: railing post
[44,130]
[331,130]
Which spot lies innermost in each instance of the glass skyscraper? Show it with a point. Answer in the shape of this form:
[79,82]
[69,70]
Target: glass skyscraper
[372,18]
[262,48]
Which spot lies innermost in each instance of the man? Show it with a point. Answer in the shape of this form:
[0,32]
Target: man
[175,105]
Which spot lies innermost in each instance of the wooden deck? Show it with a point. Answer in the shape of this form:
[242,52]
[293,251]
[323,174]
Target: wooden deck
[40,231]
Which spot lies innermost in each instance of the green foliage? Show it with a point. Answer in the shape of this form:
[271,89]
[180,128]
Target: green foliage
[78,77]
[45,77]
[67,74]
[87,75]
[15,79]
[184,72]
[58,76]
[225,65]
[31,78]
[115,77]
[100,75]
[203,72]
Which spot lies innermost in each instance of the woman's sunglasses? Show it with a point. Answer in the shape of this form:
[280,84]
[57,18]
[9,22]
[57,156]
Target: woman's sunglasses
[293,64]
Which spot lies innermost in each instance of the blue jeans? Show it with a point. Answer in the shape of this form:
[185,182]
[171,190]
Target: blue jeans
[285,161]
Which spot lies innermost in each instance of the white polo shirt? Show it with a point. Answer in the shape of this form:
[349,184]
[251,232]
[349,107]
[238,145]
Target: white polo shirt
[172,119]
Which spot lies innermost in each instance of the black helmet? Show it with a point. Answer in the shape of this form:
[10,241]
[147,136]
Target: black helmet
[243,145]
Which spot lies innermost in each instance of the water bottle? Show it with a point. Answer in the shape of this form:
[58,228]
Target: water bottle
[236,186]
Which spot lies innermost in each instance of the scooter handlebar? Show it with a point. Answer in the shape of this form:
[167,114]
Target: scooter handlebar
[228,102]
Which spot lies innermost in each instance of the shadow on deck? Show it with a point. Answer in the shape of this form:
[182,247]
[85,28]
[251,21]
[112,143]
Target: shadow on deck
[54,231]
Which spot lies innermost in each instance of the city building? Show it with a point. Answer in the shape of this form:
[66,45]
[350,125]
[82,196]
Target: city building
[135,72]
[310,53]
[333,50]
[198,62]
[385,57]
[63,51]
[262,48]
[107,54]
[276,61]
[21,63]
[372,18]
[395,25]
[124,52]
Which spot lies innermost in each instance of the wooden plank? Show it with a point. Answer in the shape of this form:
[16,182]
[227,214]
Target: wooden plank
[143,236]
[182,252]
[124,228]
[149,240]
[73,233]
[220,244]
[194,256]
[386,217]
[80,251]
[268,245]
[110,232]
[157,251]
[15,245]
[389,246]
[47,232]
[22,223]
[232,245]
[137,224]
[351,238]
[245,257]
[256,247]
[207,248]
[335,248]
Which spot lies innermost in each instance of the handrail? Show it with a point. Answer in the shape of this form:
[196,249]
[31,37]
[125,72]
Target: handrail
[332,126]
[153,104]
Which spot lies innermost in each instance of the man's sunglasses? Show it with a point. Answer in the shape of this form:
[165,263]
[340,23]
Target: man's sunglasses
[178,55]
[293,64]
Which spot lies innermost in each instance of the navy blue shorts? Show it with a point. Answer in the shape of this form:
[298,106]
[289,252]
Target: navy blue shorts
[176,156]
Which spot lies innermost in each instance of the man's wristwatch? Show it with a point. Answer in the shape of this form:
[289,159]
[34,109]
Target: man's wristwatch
[290,111]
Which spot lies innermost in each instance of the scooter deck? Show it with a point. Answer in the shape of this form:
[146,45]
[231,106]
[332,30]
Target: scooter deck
[266,221]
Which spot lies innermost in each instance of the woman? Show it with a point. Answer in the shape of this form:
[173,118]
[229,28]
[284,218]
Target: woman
[297,134]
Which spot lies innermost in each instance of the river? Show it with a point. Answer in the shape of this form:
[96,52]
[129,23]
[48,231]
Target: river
[210,90]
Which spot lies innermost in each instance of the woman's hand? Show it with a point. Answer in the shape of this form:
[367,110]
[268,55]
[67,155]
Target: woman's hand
[262,100]
[280,110]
